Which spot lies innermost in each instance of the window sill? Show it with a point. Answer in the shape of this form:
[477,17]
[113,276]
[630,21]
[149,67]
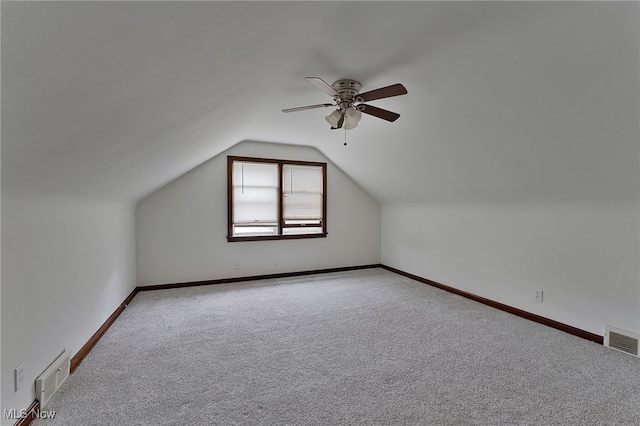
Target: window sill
[233,239]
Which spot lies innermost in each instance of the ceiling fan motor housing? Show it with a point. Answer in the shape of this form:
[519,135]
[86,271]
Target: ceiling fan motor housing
[348,89]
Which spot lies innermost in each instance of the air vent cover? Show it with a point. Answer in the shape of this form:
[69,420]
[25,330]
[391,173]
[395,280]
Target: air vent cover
[52,378]
[621,340]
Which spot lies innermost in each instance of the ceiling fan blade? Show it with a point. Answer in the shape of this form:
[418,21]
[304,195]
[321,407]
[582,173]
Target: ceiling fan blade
[302,108]
[384,92]
[340,122]
[379,112]
[322,85]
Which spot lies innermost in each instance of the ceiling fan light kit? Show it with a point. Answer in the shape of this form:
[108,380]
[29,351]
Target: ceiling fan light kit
[352,117]
[350,125]
[352,114]
[333,118]
[350,102]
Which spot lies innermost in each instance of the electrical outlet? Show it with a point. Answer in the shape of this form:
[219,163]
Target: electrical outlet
[236,264]
[275,260]
[538,295]
[18,375]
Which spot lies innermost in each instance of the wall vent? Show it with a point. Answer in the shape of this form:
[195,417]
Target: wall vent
[621,340]
[52,378]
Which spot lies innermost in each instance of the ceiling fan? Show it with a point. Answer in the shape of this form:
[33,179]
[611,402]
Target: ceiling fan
[350,102]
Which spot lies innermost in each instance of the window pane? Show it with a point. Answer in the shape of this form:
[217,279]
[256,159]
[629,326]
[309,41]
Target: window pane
[255,196]
[302,230]
[246,231]
[302,191]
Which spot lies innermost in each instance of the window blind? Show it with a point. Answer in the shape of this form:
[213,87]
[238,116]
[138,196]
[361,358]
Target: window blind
[302,190]
[255,193]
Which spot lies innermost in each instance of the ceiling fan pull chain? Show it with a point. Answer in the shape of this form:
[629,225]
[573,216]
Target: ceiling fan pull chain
[345,137]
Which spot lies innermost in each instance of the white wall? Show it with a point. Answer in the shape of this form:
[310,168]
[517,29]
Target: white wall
[528,175]
[583,256]
[67,264]
[181,229]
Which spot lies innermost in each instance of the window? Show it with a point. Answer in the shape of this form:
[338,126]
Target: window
[275,199]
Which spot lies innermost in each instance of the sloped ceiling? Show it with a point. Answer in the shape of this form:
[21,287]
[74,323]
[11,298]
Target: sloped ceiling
[507,102]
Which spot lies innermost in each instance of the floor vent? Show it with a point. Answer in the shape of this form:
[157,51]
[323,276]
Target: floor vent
[52,378]
[621,340]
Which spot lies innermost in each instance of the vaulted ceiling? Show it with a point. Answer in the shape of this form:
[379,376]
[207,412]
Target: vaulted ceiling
[507,102]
